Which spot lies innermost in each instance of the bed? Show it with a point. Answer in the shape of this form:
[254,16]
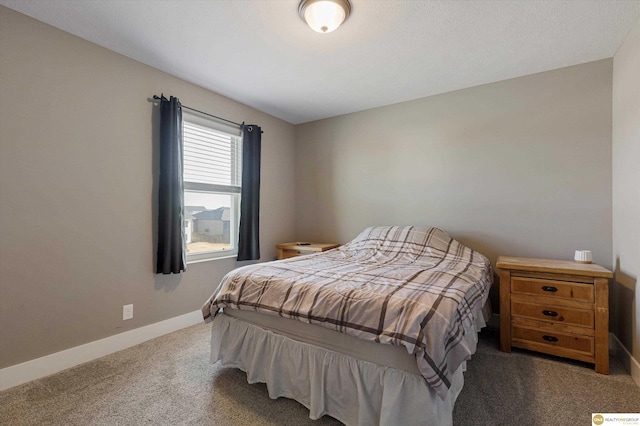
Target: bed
[376,331]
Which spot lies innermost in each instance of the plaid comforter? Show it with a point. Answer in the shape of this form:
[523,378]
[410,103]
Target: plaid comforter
[407,286]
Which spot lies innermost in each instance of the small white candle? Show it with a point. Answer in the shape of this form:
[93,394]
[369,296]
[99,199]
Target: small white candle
[583,256]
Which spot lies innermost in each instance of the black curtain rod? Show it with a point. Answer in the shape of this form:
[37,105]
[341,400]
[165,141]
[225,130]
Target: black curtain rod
[156,97]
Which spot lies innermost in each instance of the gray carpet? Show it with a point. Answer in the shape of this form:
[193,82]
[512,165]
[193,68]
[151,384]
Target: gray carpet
[169,381]
[528,388]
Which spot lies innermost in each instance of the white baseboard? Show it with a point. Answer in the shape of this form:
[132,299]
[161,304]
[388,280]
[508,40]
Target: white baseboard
[632,364]
[50,364]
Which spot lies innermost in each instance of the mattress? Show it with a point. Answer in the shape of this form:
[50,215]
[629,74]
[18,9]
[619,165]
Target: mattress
[384,355]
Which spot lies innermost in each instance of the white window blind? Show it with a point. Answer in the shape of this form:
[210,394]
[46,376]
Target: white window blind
[211,159]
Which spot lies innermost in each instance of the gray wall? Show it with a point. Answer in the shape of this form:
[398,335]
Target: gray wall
[626,192]
[76,191]
[521,167]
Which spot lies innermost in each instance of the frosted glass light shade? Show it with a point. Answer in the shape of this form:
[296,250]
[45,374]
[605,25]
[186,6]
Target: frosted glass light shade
[324,16]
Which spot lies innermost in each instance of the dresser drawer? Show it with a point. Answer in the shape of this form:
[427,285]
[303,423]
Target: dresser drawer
[559,314]
[551,341]
[286,254]
[550,288]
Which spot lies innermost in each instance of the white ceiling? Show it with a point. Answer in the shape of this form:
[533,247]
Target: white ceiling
[260,53]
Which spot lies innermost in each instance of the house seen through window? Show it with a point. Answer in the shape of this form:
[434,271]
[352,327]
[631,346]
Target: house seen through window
[212,183]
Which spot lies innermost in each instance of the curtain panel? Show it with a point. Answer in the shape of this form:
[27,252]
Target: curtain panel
[249,233]
[172,253]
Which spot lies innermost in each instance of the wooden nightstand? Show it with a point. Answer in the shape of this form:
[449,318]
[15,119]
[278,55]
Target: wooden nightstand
[287,250]
[556,307]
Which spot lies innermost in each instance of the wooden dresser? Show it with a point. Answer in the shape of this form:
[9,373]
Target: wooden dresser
[287,250]
[556,307]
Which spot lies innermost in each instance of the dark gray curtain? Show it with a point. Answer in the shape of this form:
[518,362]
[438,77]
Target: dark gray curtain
[172,253]
[249,234]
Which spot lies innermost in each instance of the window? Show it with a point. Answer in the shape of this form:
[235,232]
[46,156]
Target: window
[212,182]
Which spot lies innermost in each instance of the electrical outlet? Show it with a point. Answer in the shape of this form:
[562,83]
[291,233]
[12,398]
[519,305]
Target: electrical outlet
[127,312]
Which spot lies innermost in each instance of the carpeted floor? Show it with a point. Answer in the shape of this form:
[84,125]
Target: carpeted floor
[528,388]
[169,381]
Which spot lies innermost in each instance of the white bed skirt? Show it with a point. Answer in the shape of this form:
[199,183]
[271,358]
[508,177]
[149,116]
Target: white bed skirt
[354,391]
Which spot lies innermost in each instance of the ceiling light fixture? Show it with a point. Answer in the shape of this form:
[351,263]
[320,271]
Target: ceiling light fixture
[324,16]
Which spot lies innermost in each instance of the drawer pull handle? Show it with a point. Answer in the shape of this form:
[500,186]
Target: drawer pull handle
[550,313]
[549,288]
[550,338]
